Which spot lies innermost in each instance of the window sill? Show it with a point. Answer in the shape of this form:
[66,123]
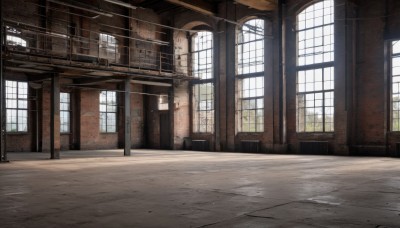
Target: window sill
[17,133]
[250,133]
[202,133]
[108,133]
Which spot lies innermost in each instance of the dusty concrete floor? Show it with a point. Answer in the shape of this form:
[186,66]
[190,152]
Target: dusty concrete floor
[198,189]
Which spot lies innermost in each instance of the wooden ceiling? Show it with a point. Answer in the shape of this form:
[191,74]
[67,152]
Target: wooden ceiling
[264,5]
[209,7]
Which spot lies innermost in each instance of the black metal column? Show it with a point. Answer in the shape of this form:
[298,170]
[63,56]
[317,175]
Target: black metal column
[3,153]
[127,115]
[55,117]
[217,89]
[171,114]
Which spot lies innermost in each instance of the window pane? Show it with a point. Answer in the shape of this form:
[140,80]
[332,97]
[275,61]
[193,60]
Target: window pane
[251,47]
[251,104]
[315,44]
[315,109]
[108,111]
[395,60]
[16,106]
[202,56]
[15,41]
[315,34]
[203,108]
[108,47]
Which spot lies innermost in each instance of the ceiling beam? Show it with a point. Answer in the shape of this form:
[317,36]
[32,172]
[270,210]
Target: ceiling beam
[263,5]
[198,6]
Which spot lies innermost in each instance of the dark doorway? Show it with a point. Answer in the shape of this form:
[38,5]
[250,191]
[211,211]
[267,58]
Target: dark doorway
[164,131]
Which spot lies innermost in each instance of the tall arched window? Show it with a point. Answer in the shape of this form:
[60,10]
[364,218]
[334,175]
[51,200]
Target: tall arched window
[203,88]
[315,68]
[250,75]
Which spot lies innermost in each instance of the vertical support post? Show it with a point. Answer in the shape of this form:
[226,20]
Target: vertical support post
[160,59]
[171,110]
[282,71]
[3,153]
[127,115]
[217,97]
[55,117]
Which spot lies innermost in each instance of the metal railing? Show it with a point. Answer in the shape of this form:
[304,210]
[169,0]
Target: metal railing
[75,49]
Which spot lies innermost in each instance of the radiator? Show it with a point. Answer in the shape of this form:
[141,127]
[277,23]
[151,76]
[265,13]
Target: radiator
[250,146]
[314,147]
[397,152]
[200,145]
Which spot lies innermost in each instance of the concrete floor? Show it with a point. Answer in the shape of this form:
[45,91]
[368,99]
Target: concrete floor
[198,189]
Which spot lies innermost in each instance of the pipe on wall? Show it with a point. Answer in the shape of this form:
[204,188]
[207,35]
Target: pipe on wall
[3,153]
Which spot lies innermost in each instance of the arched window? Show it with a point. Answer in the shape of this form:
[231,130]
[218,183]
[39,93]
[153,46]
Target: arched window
[203,88]
[250,74]
[315,68]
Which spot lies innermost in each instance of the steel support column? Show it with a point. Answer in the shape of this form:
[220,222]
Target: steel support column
[217,89]
[55,117]
[171,112]
[127,115]
[3,153]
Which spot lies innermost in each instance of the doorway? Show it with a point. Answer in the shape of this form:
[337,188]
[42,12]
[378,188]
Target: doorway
[165,131]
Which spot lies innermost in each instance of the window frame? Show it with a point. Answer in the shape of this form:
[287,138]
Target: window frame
[104,47]
[393,55]
[240,77]
[69,111]
[14,33]
[106,112]
[17,109]
[198,82]
[322,65]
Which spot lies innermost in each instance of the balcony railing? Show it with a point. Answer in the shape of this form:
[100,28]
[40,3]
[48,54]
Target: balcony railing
[76,49]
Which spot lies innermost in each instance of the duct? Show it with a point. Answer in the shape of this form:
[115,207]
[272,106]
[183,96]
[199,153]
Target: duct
[116,2]
[82,8]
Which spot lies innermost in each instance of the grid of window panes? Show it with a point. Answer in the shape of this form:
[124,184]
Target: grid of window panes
[108,47]
[251,47]
[251,104]
[203,90]
[108,111]
[14,39]
[315,34]
[202,56]
[203,102]
[65,111]
[16,106]
[315,97]
[315,84]
[395,85]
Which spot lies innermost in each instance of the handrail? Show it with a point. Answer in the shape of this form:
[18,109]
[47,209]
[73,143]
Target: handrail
[76,48]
